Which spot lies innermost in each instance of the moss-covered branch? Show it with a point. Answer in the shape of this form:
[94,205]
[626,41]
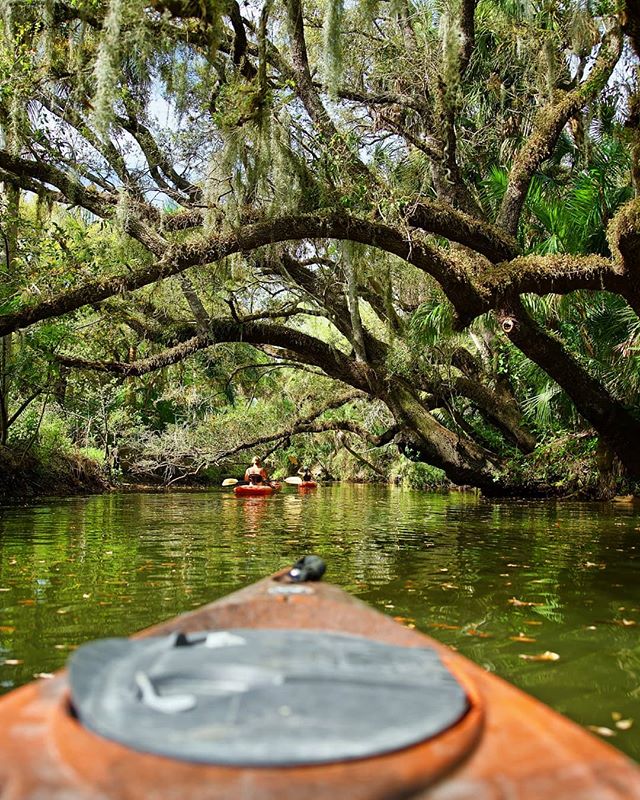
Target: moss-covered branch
[548,125]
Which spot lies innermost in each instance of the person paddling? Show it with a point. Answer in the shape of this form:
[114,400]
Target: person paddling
[256,473]
[305,473]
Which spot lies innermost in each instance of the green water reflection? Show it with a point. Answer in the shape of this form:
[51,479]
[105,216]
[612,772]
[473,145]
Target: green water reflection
[76,569]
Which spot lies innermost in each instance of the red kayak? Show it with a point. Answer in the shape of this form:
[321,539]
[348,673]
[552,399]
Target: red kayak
[306,486]
[288,690]
[258,489]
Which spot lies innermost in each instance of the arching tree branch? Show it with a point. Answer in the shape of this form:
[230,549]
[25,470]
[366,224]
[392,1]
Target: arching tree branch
[336,225]
[314,351]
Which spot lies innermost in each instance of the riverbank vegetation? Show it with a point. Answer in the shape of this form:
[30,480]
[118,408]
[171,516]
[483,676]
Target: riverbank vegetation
[396,241]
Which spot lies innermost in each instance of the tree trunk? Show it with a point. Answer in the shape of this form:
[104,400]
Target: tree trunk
[609,469]
[424,438]
[353,300]
[615,423]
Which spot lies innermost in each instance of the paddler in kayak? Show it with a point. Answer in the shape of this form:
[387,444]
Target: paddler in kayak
[256,473]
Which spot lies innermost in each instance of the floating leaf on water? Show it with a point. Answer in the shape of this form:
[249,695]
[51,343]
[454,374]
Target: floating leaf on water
[521,637]
[444,627]
[405,620]
[7,628]
[29,602]
[624,724]
[12,662]
[5,589]
[86,595]
[590,628]
[548,655]
[616,715]
[44,675]
[478,634]
[448,586]
[515,602]
[601,730]
[532,622]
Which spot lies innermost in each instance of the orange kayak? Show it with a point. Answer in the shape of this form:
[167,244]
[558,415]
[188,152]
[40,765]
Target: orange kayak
[500,743]
[257,490]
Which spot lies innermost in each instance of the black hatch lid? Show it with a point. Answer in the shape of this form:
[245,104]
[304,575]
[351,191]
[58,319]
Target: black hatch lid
[261,697]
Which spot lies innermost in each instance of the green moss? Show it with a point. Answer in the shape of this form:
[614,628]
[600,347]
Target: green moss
[567,466]
[624,225]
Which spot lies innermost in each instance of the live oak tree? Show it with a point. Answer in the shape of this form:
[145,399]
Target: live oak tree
[376,165]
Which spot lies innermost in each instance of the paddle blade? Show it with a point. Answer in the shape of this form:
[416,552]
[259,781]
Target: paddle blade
[293,480]
[230,481]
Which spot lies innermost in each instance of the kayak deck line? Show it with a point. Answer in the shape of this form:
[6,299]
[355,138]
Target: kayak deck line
[508,746]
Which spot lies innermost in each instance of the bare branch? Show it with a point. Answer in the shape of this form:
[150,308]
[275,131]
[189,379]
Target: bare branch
[311,99]
[467,29]
[154,155]
[102,204]
[359,457]
[195,303]
[384,99]
[308,426]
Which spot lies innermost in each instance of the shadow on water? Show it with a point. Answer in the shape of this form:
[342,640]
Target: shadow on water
[81,568]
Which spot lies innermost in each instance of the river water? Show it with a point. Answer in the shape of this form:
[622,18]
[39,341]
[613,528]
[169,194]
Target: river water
[455,566]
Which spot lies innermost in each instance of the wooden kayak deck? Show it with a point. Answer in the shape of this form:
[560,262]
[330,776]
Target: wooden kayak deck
[509,746]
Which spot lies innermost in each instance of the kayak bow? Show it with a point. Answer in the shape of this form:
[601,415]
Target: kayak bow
[494,741]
